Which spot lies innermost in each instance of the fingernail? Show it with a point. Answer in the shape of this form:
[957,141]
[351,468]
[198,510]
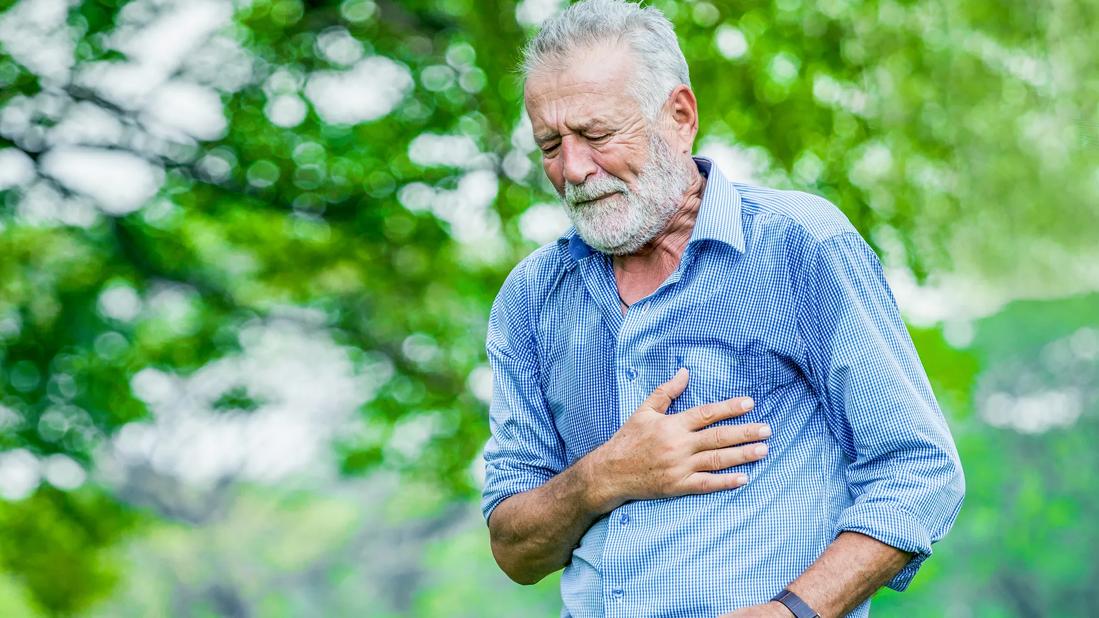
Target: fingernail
[747,404]
[742,478]
[760,449]
[765,431]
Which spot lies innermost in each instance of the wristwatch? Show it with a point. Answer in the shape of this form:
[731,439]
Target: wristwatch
[793,602]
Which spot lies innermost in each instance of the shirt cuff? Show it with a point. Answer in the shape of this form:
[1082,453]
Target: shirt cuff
[894,527]
[503,482]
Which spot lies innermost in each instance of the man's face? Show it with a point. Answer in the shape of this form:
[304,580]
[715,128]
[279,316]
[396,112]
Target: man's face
[614,168]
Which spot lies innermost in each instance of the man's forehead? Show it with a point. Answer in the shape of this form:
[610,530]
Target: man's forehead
[579,113]
[581,94]
[597,70]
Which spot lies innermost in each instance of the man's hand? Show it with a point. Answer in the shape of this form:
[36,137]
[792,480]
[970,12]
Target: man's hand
[654,455]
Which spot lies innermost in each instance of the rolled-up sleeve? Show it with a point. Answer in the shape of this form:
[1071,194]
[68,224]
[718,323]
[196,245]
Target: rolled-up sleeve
[904,474]
[525,449]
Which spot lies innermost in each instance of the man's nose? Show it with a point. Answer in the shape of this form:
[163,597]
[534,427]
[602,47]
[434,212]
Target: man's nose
[576,160]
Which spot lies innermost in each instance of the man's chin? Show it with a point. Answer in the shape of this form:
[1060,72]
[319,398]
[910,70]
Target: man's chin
[609,246]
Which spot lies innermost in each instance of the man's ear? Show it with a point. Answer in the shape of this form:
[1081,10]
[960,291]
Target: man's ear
[683,116]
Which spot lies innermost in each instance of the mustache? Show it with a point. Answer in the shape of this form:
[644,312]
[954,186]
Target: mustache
[576,195]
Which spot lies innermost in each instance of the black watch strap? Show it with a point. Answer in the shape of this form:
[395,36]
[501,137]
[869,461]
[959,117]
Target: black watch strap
[793,602]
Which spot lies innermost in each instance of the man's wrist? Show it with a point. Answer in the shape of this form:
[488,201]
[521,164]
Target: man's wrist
[793,605]
[780,610]
[596,494]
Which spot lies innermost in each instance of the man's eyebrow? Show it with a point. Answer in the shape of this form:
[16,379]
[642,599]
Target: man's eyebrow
[588,125]
[582,127]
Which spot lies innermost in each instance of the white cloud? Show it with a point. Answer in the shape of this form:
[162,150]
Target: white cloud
[285,110]
[62,472]
[307,391]
[534,12]
[183,106]
[19,474]
[730,42]
[1033,413]
[736,162]
[339,47]
[452,150]
[542,223]
[164,42]
[119,302]
[119,182]
[36,35]
[480,383]
[16,168]
[43,205]
[156,47]
[88,124]
[367,92]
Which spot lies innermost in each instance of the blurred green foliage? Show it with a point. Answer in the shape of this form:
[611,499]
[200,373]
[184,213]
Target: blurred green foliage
[958,137]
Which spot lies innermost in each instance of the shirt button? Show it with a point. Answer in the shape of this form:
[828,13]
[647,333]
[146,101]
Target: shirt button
[625,519]
[617,594]
[631,375]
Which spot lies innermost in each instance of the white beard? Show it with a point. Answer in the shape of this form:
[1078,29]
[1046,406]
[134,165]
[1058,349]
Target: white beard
[622,223]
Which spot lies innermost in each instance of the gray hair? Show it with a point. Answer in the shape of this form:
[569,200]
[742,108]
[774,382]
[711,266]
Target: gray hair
[660,63]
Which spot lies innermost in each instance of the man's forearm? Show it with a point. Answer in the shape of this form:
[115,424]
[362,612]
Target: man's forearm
[851,569]
[533,533]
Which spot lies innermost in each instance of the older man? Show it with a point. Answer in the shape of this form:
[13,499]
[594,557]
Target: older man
[705,401]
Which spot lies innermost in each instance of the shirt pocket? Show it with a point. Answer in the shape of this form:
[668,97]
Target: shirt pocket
[719,372]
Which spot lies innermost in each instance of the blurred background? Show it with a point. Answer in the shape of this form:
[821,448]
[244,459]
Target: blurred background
[247,251]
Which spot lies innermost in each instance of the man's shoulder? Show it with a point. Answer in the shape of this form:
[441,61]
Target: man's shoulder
[536,271]
[800,212]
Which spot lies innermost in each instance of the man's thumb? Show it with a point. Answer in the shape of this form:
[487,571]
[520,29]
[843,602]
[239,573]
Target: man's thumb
[666,393]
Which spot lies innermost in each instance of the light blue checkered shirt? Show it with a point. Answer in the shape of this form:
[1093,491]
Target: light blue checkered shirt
[776,297]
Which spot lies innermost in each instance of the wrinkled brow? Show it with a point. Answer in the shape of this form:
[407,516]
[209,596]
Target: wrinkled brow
[580,127]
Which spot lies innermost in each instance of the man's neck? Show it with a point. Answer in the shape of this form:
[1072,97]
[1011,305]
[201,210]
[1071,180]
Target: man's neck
[662,253]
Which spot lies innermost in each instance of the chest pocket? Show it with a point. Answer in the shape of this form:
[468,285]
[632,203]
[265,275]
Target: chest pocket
[719,372]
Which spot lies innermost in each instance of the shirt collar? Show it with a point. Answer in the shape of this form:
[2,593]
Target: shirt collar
[719,217]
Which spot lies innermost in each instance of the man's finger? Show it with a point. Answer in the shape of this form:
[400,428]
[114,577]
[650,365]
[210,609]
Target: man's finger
[723,458]
[703,416]
[661,399]
[709,482]
[730,435]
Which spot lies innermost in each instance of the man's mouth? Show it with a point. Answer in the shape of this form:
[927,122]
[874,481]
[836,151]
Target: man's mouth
[596,199]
